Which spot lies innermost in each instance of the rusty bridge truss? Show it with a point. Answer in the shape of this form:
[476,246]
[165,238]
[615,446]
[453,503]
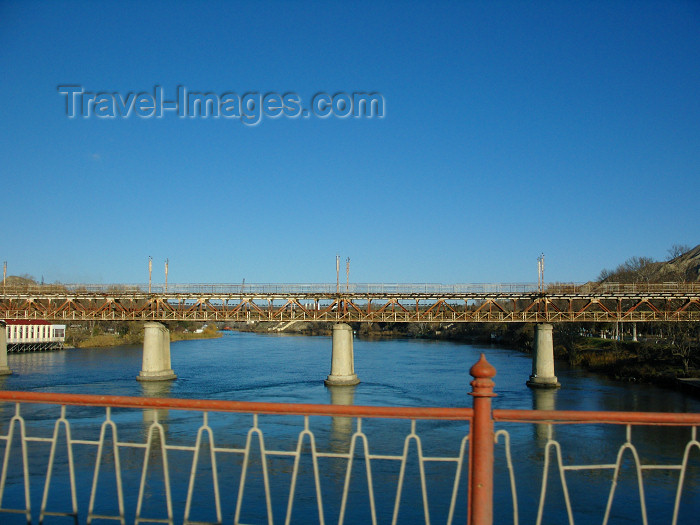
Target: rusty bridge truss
[405,303]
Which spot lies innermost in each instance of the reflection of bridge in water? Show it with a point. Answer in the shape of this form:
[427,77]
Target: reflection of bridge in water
[406,303]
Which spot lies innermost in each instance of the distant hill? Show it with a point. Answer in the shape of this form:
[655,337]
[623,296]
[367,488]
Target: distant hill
[682,268]
[685,267]
[19,280]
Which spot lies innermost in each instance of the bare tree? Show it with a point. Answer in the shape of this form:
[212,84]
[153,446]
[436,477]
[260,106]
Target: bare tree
[638,265]
[684,343]
[677,250]
[635,269]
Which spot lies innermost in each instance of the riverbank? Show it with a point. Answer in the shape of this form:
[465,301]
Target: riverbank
[102,340]
[641,362]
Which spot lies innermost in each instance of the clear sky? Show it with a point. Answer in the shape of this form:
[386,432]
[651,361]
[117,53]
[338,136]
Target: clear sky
[510,129]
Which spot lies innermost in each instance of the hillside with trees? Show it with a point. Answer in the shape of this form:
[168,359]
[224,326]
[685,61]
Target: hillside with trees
[683,265]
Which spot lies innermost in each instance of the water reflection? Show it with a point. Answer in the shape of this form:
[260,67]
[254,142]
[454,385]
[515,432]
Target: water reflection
[3,380]
[155,389]
[27,362]
[341,427]
[543,399]
[155,432]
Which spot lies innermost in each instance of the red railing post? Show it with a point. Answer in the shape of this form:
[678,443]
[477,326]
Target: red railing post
[480,509]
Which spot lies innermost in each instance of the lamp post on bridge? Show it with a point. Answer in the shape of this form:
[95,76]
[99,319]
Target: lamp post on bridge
[150,271]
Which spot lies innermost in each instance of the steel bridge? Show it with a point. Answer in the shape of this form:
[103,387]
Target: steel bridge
[405,303]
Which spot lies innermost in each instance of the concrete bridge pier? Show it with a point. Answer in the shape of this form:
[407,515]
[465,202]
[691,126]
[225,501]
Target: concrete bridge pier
[342,361]
[156,354]
[4,369]
[543,359]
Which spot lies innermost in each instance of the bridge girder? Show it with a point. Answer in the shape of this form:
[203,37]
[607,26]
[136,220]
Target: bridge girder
[419,307]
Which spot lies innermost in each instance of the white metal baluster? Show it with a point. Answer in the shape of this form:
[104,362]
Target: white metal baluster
[217,500]
[460,463]
[692,443]
[368,469]
[295,472]
[157,427]
[404,458]
[117,471]
[557,448]
[627,446]
[49,471]
[17,418]
[266,481]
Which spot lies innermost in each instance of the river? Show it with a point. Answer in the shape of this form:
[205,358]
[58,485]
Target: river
[397,372]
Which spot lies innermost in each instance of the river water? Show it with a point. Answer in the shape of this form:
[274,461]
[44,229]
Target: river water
[286,368]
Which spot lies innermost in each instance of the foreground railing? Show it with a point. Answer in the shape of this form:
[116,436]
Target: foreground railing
[90,459]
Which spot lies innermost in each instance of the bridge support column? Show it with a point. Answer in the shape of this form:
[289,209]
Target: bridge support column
[4,369]
[156,354]
[342,361]
[543,359]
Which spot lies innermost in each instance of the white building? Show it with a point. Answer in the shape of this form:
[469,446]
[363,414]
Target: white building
[34,335]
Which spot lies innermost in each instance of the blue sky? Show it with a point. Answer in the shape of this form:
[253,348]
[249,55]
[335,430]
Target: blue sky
[511,129]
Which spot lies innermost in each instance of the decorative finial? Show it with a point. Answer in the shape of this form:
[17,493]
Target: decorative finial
[483,372]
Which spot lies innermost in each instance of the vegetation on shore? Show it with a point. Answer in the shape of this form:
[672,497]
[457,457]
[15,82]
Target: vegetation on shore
[649,362]
[107,333]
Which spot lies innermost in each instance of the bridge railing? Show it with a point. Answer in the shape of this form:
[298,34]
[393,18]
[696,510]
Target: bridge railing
[331,289]
[278,288]
[208,461]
